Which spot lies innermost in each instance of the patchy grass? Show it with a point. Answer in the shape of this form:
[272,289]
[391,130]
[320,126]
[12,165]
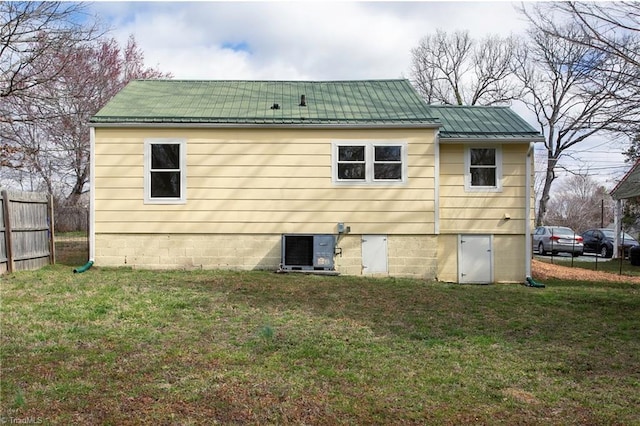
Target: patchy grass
[72,249]
[71,234]
[122,346]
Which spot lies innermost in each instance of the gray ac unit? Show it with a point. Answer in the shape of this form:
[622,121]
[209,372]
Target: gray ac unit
[307,252]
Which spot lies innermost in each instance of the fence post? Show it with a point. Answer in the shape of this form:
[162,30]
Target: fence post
[8,233]
[52,244]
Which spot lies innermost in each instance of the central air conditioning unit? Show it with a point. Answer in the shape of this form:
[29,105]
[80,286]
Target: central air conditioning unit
[301,252]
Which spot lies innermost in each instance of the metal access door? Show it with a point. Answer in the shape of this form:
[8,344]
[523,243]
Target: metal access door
[374,254]
[475,259]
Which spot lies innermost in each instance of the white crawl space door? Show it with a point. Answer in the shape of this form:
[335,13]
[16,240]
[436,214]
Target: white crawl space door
[374,254]
[475,259]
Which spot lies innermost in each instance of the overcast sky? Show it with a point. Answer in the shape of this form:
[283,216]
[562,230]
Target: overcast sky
[305,40]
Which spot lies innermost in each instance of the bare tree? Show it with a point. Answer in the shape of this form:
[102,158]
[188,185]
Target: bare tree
[580,203]
[573,91]
[52,140]
[609,28]
[455,69]
[30,32]
[31,35]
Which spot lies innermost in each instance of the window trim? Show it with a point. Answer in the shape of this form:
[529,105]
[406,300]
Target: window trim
[147,171]
[467,169]
[369,160]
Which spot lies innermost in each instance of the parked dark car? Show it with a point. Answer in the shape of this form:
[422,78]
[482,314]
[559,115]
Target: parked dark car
[601,241]
[634,256]
[556,239]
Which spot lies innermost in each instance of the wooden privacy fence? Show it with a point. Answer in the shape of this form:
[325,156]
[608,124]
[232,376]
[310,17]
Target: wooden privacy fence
[26,231]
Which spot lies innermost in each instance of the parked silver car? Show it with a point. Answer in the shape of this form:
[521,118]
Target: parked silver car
[557,239]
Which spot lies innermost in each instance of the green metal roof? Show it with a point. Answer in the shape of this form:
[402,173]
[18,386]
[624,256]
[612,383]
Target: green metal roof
[355,103]
[482,122]
[629,185]
[373,102]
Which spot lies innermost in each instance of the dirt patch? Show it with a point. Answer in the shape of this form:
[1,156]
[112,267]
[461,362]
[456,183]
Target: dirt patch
[544,270]
[520,396]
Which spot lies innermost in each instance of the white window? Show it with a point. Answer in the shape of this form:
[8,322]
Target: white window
[358,162]
[165,173]
[483,169]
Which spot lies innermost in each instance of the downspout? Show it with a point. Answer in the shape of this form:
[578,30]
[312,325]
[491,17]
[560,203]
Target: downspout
[527,214]
[436,189]
[92,195]
[92,202]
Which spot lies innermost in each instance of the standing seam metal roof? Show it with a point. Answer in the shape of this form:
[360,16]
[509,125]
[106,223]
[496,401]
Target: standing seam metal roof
[477,122]
[358,102]
[252,102]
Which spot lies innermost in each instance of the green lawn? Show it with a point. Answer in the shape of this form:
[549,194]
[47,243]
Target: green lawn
[120,346]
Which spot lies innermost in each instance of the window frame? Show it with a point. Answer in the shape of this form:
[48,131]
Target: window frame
[148,143]
[369,161]
[467,169]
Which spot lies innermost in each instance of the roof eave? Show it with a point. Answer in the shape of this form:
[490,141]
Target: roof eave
[492,139]
[129,124]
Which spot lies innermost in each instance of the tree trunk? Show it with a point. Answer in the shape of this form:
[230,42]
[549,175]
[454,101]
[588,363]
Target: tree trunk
[74,197]
[544,199]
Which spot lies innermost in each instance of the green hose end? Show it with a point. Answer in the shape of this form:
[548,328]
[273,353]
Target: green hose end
[83,268]
[530,282]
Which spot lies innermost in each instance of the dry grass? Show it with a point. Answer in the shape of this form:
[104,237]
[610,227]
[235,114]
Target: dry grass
[545,270]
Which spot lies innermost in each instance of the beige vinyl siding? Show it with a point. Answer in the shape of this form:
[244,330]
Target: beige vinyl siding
[114,194]
[509,258]
[260,181]
[482,212]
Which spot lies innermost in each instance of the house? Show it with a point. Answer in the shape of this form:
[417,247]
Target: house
[627,188]
[358,177]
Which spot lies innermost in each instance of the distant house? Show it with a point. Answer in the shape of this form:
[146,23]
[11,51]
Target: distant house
[358,177]
[628,187]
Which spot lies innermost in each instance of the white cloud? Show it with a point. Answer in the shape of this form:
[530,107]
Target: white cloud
[294,40]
